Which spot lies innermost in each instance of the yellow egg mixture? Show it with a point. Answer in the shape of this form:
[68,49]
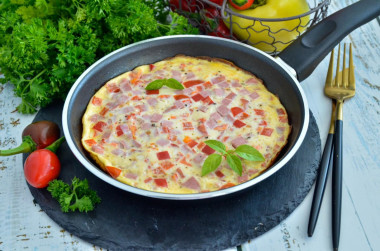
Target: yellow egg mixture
[154,140]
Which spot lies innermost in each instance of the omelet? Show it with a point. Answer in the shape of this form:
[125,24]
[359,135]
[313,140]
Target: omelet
[154,140]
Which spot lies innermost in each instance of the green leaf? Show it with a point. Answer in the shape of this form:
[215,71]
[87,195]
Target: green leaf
[171,83]
[155,85]
[174,84]
[249,153]
[211,163]
[216,145]
[235,163]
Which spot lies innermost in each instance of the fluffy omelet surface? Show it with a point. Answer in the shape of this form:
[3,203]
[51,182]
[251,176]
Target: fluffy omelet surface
[154,140]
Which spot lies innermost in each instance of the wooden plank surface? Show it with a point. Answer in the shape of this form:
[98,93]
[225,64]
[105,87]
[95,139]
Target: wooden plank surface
[24,226]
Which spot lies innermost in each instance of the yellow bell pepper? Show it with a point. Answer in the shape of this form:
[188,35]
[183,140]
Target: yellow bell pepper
[256,33]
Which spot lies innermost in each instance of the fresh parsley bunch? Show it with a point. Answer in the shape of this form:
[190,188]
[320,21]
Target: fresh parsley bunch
[212,162]
[46,44]
[77,196]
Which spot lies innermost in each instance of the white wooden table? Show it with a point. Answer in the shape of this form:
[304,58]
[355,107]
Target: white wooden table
[23,226]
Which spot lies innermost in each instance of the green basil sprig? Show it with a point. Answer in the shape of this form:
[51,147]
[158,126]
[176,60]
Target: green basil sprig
[212,162]
[159,83]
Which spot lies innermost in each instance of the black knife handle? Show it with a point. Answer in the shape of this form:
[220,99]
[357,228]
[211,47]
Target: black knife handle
[320,184]
[337,182]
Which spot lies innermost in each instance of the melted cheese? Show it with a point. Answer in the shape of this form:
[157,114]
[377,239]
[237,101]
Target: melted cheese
[128,130]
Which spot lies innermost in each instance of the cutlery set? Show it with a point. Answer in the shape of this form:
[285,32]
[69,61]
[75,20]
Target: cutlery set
[338,89]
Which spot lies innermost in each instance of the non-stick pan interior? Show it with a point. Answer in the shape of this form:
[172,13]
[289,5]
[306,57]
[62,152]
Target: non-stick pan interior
[277,80]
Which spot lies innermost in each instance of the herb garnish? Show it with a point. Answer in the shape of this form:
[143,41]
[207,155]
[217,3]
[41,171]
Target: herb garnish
[159,83]
[78,196]
[232,156]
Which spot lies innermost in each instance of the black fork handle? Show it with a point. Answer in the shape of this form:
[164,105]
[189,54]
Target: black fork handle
[337,182]
[320,184]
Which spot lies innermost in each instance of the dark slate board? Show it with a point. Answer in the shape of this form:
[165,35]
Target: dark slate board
[127,221]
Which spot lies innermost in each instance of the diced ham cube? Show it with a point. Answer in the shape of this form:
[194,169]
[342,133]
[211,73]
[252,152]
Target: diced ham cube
[162,142]
[97,149]
[231,96]
[226,101]
[192,183]
[211,123]
[152,101]
[166,123]
[219,92]
[244,92]
[131,176]
[203,108]
[215,116]
[252,81]
[254,95]
[223,84]
[199,157]
[155,118]
[125,86]
[177,75]
[235,83]
[218,79]
[223,110]
[187,126]
[117,152]
[259,112]
[238,141]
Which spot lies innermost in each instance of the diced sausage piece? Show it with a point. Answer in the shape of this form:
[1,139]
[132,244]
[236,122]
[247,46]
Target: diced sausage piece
[211,123]
[152,101]
[155,118]
[223,110]
[254,95]
[161,182]
[192,183]
[218,79]
[125,86]
[238,141]
[231,96]
[178,104]
[208,150]
[219,92]
[252,81]
[223,84]
[162,142]
[163,155]
[199,157]
[226,101]
[97,149]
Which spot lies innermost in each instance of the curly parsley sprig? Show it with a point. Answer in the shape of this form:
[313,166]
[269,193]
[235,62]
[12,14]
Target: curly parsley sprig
[212,162]
[77,196]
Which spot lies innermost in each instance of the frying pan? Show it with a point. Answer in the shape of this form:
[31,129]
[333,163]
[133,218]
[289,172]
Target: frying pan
[281,76]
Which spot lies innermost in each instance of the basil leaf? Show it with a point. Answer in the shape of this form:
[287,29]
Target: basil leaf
[249,153]
[155,85]
[235,163]
[211,163]
[174,84]
[216,145]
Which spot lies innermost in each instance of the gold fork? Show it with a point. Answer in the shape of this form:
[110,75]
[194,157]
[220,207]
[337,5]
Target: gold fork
[339,89]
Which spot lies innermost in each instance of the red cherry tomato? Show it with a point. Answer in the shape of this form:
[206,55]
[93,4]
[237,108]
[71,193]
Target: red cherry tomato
[221,31]
[241,5]
[44,133]
[41,167]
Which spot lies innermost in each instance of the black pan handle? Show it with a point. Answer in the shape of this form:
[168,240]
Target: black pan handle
[304,54]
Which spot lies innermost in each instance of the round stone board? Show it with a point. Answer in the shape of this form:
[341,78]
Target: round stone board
[127,221]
